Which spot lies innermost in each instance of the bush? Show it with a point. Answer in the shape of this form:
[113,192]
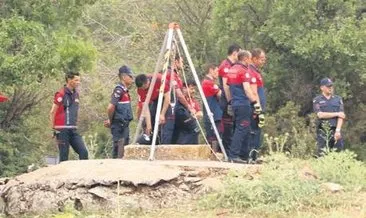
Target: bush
[342,168]
[286,131]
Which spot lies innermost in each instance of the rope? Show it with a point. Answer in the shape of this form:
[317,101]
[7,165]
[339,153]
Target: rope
[190,99]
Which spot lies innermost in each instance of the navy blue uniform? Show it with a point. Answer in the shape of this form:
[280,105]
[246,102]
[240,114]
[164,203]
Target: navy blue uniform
[322,104]
[227,120]
[65,124]
[187,125]
[242,110]
[168,130]
[120,130]
[255,133]
[210,89]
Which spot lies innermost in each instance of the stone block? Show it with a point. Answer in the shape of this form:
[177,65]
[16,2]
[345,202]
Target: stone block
[169,152]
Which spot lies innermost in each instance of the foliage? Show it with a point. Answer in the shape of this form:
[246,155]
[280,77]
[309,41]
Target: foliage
[280,187]
[286,131]
[342,168]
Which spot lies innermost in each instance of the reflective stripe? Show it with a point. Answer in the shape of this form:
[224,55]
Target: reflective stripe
[65,127]
[124,102]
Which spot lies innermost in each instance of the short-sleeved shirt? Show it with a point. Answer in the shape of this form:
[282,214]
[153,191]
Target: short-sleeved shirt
[223,70]
[142,93]
[210,90]
[66,115]
[333,104]
[237,75]
[122,100]
[260,85]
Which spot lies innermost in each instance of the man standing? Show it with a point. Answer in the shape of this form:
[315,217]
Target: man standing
[239,80]
[186,127]
[225,101]
[120,112]
[212,94]
[64,117]
[258,61]
[167,116]
[143,83]
[330,112]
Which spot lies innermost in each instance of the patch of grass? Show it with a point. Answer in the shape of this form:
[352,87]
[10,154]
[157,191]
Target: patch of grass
[281,189]
[278,189]
[341,168]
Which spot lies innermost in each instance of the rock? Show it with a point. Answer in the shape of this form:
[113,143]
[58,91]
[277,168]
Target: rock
[211,184]
[169,152]
[332,187]
[92,185]
[192,179]
[102,192]
[184,187]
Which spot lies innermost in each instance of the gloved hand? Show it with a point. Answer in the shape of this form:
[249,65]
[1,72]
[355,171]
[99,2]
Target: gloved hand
[261,120]
[229,109]
[257,108]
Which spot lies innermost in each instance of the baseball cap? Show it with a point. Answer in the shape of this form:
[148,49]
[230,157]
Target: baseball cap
[125,69]
[326,82]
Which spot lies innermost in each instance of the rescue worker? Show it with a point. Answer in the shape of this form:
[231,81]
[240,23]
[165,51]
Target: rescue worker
[186,127]
[239,81]
[64,117]
[225,101]
[120,112]
[212,93]
[143,83]
[330,113]
[167,116]
[257,62]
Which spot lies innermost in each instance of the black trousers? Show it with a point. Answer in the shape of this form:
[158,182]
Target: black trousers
[67,137]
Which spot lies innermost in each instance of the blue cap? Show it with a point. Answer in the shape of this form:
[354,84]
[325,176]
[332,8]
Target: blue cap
[126,70]
[326,82]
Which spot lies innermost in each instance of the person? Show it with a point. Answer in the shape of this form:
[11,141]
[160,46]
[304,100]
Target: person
[225,101]
[257,62]
[143,83]
[186,127]
[167,116]
[64,117]
[329,110]
[120,112]
[239,81]
[212,93]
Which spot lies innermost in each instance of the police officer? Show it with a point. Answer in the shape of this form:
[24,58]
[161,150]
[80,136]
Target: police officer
[120,112]
[64,116]
[143,83]
[186,127]
[330,112]
[239,80]
[212,93]
[257,62]
[225,101]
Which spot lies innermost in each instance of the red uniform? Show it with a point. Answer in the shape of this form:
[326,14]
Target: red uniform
[67,112]
[237,75]
[155,93]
